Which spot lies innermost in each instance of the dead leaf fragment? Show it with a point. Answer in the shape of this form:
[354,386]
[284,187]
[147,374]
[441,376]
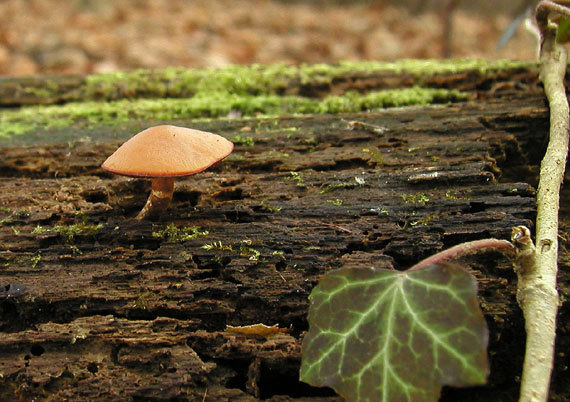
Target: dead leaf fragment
[256,329]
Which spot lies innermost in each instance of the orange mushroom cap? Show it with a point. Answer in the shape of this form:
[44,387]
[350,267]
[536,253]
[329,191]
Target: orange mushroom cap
[168,151]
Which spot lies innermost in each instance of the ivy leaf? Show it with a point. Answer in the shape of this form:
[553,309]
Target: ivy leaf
[385,335]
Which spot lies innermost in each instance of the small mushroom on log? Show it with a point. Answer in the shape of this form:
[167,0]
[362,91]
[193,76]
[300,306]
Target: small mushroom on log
[163,153]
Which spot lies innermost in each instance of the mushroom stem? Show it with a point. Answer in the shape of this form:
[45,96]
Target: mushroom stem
[159,199]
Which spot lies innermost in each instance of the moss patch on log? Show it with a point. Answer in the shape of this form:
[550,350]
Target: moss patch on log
[234,91]
[213,105]
[242,80]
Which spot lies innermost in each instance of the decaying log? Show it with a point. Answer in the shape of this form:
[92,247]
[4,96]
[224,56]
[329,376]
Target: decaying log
[95,305]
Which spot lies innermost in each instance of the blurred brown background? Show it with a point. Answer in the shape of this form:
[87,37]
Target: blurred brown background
[86,36]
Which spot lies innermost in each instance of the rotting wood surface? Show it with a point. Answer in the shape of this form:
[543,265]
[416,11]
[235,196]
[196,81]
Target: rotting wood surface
[107,310]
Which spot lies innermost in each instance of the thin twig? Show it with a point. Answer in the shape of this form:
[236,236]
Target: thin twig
[536,293]
[546,7]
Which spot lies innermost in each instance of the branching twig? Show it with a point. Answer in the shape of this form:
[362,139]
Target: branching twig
[536,294]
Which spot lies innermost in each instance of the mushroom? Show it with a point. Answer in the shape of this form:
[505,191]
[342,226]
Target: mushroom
[163,153]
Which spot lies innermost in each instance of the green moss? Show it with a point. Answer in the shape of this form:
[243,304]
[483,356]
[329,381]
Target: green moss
[143,301]
[336,202]
[246,250]
[296,177]
[215,105]
[274,153]
[68,232]
[35,260]
[432,67]
[247,141]
[458,194]
[375,155]
[423,221]
[417,198]
[356,102]
[39,230]
[283,130]
[328,187]
[271,208]
[264,79]
[218,245]
[213,93]
[173,234]
[49,89]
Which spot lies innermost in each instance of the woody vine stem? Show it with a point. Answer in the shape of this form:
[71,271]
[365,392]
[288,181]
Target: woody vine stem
[537,268]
